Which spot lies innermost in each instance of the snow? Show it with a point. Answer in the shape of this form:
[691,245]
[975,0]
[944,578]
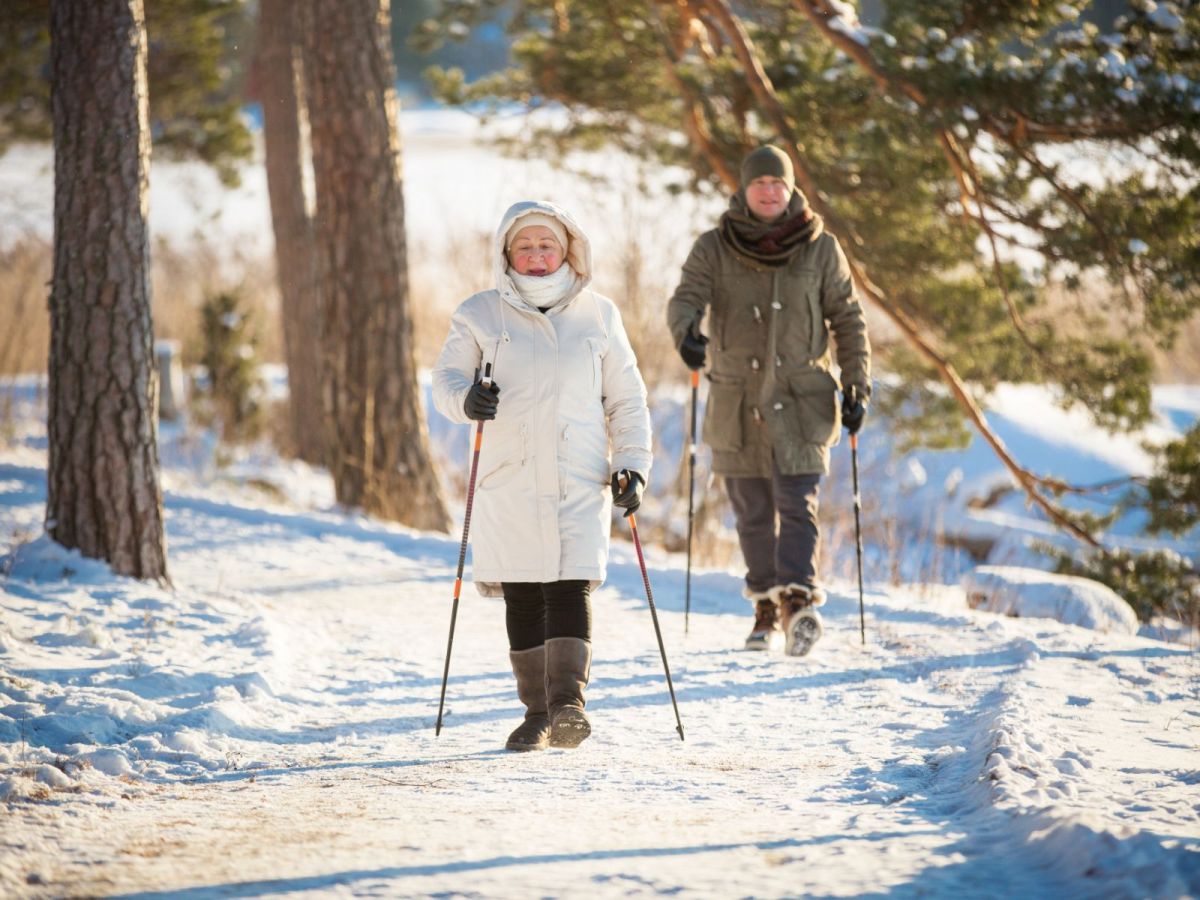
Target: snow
[1016,591]
[844,19]
[1164,16]
[265,727]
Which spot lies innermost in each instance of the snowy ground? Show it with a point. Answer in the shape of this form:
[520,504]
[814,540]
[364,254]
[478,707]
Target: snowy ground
[266,728]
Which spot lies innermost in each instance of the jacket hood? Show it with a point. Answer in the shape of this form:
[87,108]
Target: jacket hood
[579,253]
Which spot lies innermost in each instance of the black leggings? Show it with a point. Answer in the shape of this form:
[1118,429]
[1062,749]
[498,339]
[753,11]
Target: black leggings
[536,611]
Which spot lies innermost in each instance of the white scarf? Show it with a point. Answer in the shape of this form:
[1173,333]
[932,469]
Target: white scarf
[545,291]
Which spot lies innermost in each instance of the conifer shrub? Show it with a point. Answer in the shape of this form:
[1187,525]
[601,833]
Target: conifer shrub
[232,395]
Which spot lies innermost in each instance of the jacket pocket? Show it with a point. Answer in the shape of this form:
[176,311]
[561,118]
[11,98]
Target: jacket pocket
[723,413]
[506,460]
[814,411]
[595,349]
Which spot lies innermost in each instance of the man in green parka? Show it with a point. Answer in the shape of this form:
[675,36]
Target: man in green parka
[774,284]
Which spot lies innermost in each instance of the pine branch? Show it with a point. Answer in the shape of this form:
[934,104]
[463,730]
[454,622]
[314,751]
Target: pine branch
[1017,136]
[697,109]
[964,170]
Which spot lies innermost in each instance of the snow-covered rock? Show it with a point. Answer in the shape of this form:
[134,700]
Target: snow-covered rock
[1031,593]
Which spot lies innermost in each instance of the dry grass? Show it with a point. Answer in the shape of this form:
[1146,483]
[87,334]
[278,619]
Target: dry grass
[180,280]
[25,269]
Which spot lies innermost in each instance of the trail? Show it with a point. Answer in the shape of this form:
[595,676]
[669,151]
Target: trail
[956,754]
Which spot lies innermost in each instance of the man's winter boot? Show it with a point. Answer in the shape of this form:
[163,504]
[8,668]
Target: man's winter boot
[530,668]
[568,665]
[766,620]
[801,622]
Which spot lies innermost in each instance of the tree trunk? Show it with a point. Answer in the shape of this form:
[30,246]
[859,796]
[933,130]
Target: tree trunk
[280,87]
[380,447]
[104,496]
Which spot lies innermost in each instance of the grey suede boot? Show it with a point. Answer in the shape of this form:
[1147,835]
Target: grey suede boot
[530,668]
[568,664]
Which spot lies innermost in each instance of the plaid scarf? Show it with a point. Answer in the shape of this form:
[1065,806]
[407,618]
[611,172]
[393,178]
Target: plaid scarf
[769,244]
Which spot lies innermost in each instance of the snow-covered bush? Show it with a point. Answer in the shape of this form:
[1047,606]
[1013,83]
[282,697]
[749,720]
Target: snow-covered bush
[1016,591]
[1158,582]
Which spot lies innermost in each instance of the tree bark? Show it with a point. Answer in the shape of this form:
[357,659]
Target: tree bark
[104,496]
[380,448]
[279,68]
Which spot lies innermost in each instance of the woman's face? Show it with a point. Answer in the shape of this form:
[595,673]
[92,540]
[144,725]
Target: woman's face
[535,251]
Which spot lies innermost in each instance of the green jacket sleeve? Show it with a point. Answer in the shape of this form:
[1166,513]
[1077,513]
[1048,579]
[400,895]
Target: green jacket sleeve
[694,293]
[844,313]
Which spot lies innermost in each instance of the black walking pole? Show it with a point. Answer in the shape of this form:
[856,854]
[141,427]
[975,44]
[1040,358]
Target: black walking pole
[862,622]
[462,552]
[637,543]
[687,603]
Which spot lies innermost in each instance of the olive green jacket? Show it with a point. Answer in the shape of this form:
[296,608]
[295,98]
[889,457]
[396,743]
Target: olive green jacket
[771,392]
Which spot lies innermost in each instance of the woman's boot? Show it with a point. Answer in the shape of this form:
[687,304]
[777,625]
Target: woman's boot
[568,664]
[530,668]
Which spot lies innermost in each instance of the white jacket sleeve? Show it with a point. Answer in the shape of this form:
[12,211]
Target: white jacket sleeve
[454,371]
[625,401]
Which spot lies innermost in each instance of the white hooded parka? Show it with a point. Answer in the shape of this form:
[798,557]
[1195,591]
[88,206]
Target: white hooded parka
[572,411]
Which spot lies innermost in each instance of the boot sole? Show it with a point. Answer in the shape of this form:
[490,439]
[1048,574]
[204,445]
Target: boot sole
[518,747]
[804,630]
[570,729]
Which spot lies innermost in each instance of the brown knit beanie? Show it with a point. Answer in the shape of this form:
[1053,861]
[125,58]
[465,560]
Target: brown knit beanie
[768,160]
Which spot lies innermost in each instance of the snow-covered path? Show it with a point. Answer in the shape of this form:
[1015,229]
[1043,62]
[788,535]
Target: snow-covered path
[279,736]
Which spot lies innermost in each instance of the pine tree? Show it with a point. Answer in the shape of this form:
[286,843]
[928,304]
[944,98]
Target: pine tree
[104,496]
[279,80]
[379,452]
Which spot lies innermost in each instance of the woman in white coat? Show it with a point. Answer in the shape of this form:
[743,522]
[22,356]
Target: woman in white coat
[568,437]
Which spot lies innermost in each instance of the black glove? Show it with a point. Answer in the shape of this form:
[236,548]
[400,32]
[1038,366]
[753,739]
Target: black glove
[854,409]
[631,497]
[694,348]
[480,402]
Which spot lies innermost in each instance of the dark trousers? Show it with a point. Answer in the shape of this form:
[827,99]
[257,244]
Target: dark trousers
[536,611]
[789,554]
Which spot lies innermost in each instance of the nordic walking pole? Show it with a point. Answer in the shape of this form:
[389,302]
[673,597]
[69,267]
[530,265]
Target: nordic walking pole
[687,603]
[462,551]
[637,543]
[862,622]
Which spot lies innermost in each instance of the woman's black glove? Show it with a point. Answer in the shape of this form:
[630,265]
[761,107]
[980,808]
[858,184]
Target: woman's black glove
[854,409]
[694,348]
[629,496]
[481,400]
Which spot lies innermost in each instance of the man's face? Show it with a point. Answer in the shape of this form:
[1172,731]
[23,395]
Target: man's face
[767,197]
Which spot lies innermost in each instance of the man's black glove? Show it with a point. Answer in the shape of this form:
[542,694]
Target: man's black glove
[854,409]
[481,400]
[694,348]
[629,497]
